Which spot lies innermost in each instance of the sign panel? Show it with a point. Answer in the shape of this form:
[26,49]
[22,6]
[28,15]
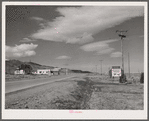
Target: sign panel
[116,71]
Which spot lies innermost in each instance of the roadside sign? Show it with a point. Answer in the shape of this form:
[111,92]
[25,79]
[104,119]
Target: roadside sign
[116,71]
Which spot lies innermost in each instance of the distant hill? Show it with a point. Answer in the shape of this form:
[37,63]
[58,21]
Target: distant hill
[11,66]
[36,66]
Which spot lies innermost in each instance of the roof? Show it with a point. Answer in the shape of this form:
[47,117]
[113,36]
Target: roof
[56,69]
[44,69]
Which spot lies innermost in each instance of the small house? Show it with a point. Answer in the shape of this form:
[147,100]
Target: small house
[64,71]
[18,71]
[56,71]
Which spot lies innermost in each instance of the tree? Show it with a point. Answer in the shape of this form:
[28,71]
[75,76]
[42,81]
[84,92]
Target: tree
[27,68]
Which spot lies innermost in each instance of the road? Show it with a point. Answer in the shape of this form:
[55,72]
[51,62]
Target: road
[24,84]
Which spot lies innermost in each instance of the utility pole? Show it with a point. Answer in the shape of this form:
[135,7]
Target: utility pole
[121,35]
[101,66]
[128,64]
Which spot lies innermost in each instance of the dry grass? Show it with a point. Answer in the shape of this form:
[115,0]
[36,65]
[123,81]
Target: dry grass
[108,95]
[94,92]
[9,77]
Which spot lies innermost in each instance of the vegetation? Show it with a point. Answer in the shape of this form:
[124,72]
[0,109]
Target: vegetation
[28,67]
[142,78]
[122,78]
[80,71]
[12,65]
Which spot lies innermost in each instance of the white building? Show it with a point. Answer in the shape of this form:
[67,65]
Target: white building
[17,71]
[43,71]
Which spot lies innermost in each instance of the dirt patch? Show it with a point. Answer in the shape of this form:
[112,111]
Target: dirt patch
[67,94]
[39,97]
[79,97]
[108,95]
[16,77]
[79,93]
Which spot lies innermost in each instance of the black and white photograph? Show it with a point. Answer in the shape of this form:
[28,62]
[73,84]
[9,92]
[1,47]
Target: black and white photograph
[74,60]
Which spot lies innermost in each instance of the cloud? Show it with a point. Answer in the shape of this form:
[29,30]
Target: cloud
[79,24]
[83,39]
[101,47]
[116,54]
[105,51]
[22,50]
[37,18]
[26,40]
[63,57]
[41,22]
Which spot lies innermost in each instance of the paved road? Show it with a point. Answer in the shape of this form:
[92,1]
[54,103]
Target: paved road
[23,84]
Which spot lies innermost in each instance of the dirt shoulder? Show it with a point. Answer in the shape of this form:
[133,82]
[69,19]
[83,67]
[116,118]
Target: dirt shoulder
[79,93]
[9,78]
[68,94]
[111,95]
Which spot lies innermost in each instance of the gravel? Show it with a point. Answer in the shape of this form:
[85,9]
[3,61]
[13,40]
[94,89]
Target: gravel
[93,92]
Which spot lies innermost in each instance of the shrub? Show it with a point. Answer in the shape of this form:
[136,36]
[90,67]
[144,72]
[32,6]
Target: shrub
[142,78]
[122,78]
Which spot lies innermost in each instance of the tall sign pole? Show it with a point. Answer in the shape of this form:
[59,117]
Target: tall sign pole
[128,64]
[121,35]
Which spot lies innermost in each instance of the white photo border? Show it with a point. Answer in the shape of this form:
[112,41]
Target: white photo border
[86,114]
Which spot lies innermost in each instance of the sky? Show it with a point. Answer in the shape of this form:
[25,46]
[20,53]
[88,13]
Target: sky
[76,37]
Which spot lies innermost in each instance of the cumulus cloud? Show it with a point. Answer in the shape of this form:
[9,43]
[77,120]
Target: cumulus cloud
[101,47]
[63,57]
[116,54]
[41,22]
[79,24]
[26,40]
[105,51]
[37,18]
[22,50]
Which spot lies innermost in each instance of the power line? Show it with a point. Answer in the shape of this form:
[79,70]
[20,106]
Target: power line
[101,66]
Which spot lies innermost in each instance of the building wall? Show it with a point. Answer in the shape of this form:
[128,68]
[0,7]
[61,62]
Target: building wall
[19,72]
[43,71]
[55,72]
